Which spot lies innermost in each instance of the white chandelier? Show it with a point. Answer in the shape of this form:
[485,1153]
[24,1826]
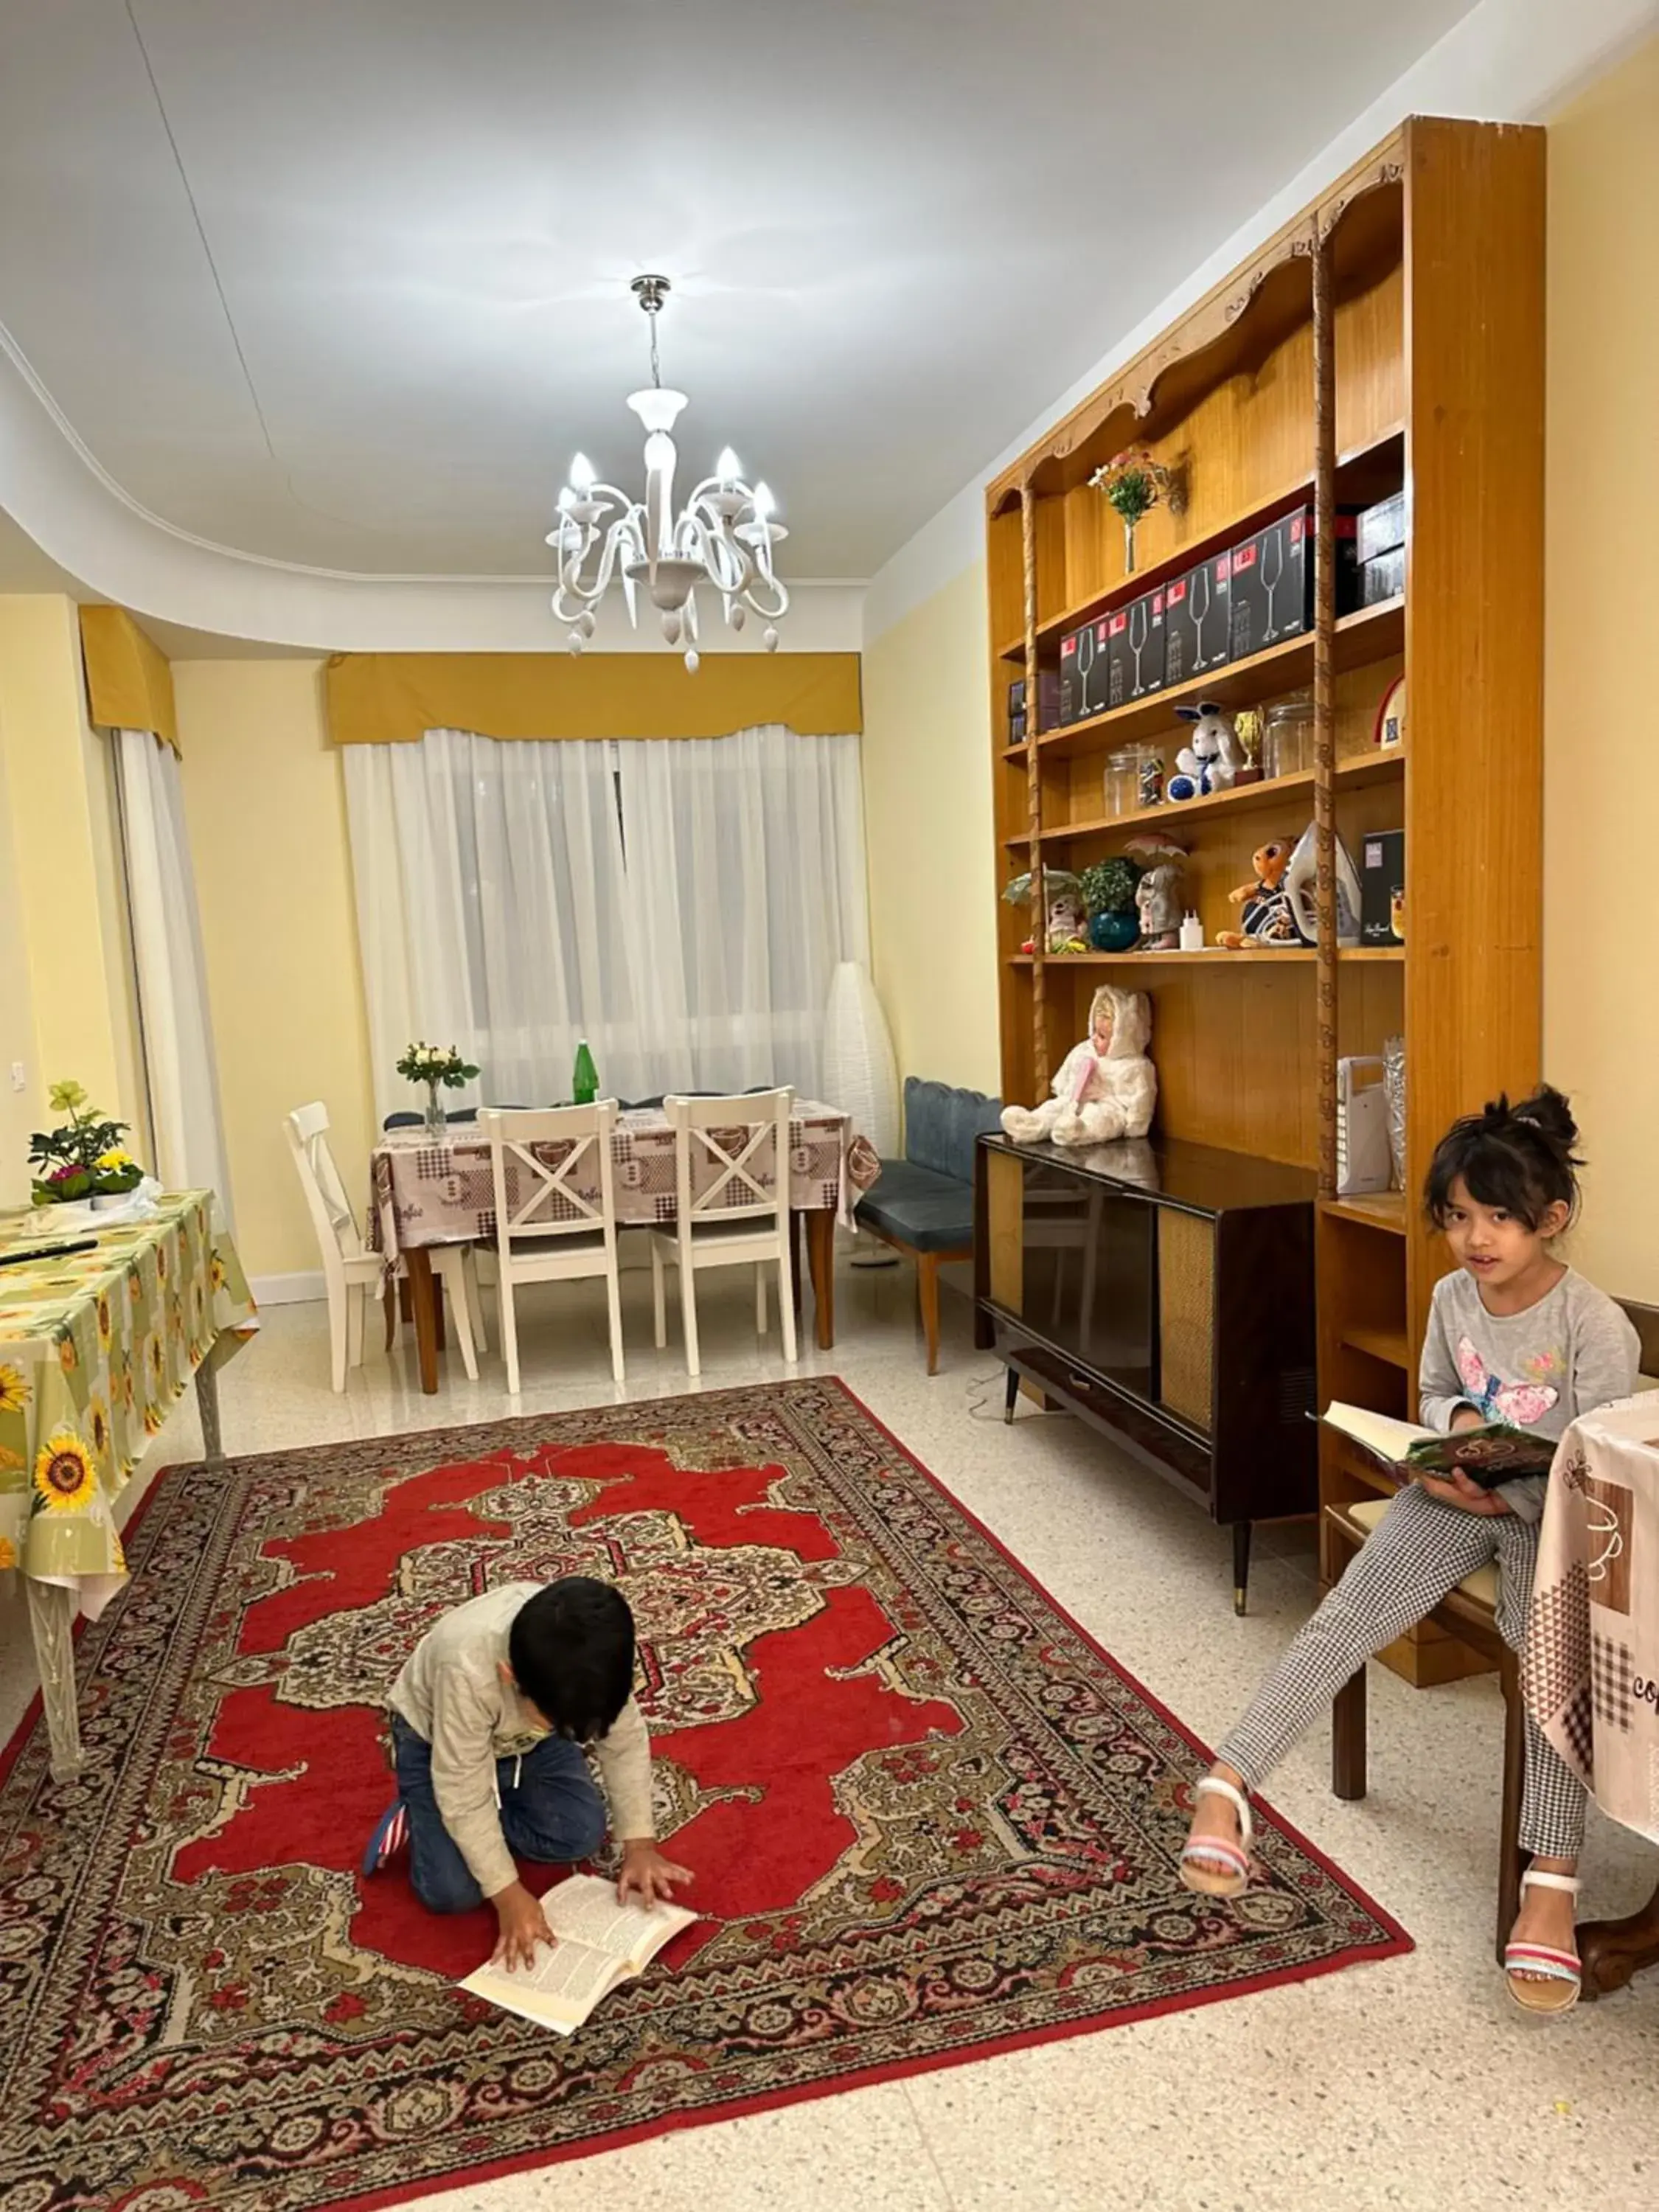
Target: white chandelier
[724,536]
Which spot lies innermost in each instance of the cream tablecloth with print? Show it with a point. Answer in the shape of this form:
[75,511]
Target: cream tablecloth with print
[95,1348]
[1590,1669]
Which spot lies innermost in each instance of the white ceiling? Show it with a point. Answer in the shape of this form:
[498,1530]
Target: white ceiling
[342,282]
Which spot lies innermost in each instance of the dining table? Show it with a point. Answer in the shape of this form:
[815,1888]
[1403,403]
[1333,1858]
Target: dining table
[102,1328]
[1590,1671]
[425,1194]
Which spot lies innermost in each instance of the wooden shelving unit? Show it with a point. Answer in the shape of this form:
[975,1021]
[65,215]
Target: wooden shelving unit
[1389,338]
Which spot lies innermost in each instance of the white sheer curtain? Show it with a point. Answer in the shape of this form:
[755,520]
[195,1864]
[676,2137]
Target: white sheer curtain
[179,1071]
[681,903]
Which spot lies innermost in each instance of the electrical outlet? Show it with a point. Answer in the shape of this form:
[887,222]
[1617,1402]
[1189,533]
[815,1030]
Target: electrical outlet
[20,1080]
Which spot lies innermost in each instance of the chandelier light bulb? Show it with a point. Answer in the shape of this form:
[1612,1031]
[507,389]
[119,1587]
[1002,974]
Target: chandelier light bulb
[728,468]
[567,498]
[765,506]
[582,476]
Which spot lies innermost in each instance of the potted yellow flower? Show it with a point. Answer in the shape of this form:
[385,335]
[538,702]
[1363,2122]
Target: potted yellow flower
[82,1159]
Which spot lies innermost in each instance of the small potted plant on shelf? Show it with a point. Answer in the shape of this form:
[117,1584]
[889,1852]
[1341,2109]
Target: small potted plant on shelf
[1109,894]
[1133,483]
[82,1159]
[438,1066]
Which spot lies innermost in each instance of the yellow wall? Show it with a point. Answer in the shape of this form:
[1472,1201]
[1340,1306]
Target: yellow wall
[1602,661]
[67,1005]
[928,821]
[265,803]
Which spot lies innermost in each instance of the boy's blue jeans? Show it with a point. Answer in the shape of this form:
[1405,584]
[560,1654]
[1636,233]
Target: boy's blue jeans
[551,1812]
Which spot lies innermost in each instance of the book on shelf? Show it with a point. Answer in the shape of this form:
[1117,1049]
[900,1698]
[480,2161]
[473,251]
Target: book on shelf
[599,1945]
[1493,1454]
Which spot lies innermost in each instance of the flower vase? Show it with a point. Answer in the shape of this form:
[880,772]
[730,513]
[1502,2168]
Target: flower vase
[1128,549]
[1116,932]
[437,1121]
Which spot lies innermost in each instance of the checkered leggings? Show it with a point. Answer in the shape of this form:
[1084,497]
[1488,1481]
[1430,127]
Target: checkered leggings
[1419,1551]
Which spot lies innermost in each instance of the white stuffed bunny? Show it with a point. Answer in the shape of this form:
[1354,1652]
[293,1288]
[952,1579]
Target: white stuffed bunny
[1212,760]
[1106,1088]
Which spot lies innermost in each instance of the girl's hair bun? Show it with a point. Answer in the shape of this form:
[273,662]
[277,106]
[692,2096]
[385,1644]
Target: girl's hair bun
[1548,1113]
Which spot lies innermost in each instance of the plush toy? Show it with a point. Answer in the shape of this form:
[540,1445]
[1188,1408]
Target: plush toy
[1213,743]
[1266,919]
[1106,1088]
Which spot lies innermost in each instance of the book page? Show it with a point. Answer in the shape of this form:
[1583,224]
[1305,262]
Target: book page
[583,1910]
[1388,1439]
[559,1991]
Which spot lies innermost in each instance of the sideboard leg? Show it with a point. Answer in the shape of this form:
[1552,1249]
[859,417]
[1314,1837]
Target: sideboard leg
[1240,1565]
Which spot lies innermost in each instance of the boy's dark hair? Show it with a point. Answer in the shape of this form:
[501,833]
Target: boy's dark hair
[571,1650]
[1519,1158]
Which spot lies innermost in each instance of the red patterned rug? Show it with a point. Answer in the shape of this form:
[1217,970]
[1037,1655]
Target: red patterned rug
[928,1818]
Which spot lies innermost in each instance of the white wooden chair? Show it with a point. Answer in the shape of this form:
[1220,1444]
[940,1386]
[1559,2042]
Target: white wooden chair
[351,1271]
[550,1233]
[741,1219]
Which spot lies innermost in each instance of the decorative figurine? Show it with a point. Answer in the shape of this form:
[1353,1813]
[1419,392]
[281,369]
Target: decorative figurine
[1265,919]
[1301,889]
[1158,895]
[1065,929]
[1106,1087]
[1211,756]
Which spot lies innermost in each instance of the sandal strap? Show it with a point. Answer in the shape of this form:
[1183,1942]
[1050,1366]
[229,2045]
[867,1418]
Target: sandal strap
[1213,1786]
[1213,1847]
[1569,1883]
[1538,1959]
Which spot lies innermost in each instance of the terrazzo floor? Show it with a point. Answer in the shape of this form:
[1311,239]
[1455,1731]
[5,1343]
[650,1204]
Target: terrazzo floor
[1409,2084]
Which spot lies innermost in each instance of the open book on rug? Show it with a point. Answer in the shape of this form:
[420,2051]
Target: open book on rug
[1490,1455]
[600,1944]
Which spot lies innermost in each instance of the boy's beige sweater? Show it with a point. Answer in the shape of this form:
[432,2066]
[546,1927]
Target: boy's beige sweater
[452,1693]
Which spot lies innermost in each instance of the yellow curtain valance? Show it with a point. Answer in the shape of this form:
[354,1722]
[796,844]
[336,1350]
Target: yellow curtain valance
[129,682]
[392,698]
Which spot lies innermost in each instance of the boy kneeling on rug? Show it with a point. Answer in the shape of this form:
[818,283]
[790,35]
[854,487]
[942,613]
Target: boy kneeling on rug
[488,1722]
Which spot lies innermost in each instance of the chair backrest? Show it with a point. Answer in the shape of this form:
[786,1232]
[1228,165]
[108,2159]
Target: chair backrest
[731,1157]
[1644,1320]
[941,1126]
[551,1168]
[338,1235]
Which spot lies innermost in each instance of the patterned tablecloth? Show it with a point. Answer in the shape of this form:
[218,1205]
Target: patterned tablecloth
[94,1348]
[1589,1673]
[426,1193]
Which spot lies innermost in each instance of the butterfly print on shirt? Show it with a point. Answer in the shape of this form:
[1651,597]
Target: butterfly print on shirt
[1520,1403]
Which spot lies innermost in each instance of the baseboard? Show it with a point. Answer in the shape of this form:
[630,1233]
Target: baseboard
[288,1290]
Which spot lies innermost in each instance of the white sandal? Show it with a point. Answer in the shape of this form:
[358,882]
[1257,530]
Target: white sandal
[1554,1979]
[1210,1866]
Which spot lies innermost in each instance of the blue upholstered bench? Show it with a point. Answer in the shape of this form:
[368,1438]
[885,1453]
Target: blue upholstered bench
[923,1205]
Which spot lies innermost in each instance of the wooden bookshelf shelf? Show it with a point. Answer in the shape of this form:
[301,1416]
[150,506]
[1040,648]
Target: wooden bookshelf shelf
[1389,1345]
[1375,767]
[1372,470]
[1368,634]
[1384,1210]
[1293,956]
[1412,325]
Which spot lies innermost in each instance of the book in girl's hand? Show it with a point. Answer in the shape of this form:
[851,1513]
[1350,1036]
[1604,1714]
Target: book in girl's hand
[600,1944]
[1489,1455]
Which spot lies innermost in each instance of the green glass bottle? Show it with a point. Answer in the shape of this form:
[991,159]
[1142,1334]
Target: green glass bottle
[584,1081]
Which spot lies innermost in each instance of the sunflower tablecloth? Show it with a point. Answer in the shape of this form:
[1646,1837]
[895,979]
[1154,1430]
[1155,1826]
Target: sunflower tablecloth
[96,1347]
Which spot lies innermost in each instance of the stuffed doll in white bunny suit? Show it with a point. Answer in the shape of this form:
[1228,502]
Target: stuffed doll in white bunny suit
[1106,1088]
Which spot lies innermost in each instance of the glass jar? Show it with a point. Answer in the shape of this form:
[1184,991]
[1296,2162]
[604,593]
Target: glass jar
[1287,745]
[1135,781]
